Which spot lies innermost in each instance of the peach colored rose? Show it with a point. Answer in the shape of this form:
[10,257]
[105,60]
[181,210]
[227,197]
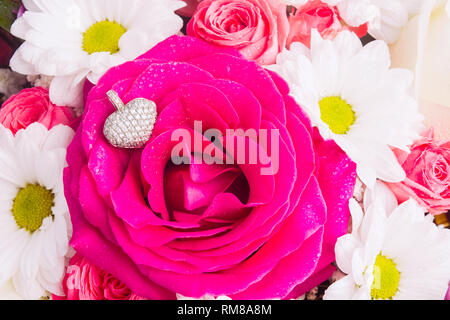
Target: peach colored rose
[85,281]
[321,16]
[33,105]
[257,28]
[427,169]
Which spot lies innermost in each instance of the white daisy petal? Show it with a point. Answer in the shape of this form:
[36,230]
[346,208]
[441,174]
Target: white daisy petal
[357,215]
[347,45]
[13,243]
[382,192]
[6,138]
[20,64]
[362,293]
[343,289]
[358,265]
[64,91]
[345,246]
[55,285]
[59,137]
[128,43]
[50,175]
[28,289]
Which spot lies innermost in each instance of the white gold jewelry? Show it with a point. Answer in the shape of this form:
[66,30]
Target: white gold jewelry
[131,126]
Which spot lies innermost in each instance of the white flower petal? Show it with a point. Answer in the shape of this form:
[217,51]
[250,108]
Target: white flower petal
[58,138]
[345,248]
[357,215]
[27,288]
[384,194]
[343,289]
[65,92]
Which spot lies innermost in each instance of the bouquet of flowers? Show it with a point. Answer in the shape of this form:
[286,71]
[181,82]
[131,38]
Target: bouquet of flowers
[224,149]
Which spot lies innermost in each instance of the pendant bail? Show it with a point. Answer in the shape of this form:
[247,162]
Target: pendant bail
[115,100]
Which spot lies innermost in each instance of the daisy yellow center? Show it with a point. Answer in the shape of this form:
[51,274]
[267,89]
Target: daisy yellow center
[337,114]
[386,278]
[31,206]
[103,36]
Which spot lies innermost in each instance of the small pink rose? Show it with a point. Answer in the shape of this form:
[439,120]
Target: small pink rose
[427,170]
[321,16]
[257,28]
[85,281]
[33,105]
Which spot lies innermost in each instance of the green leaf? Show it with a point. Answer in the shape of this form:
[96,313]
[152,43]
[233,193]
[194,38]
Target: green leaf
[8,12]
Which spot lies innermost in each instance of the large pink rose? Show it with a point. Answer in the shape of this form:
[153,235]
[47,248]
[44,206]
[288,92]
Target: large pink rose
[427,170]
[85,281]
[318,15]
[33,105]
[257,28]
[218,229]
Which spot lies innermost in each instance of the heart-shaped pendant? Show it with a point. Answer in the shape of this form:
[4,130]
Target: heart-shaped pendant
[131,126]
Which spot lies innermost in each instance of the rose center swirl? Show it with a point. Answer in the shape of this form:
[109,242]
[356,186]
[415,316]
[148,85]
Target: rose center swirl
[187,195]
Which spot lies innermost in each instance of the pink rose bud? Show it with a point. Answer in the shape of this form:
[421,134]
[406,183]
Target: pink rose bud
[86,281]
[427,169]
[257,28]
[318,15]
[33,105]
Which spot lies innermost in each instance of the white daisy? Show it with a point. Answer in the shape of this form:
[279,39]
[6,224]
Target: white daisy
[353,97]
[393,252]
[34,220]
[75,39]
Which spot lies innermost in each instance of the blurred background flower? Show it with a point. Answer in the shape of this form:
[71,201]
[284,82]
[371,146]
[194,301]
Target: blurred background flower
[424,48]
